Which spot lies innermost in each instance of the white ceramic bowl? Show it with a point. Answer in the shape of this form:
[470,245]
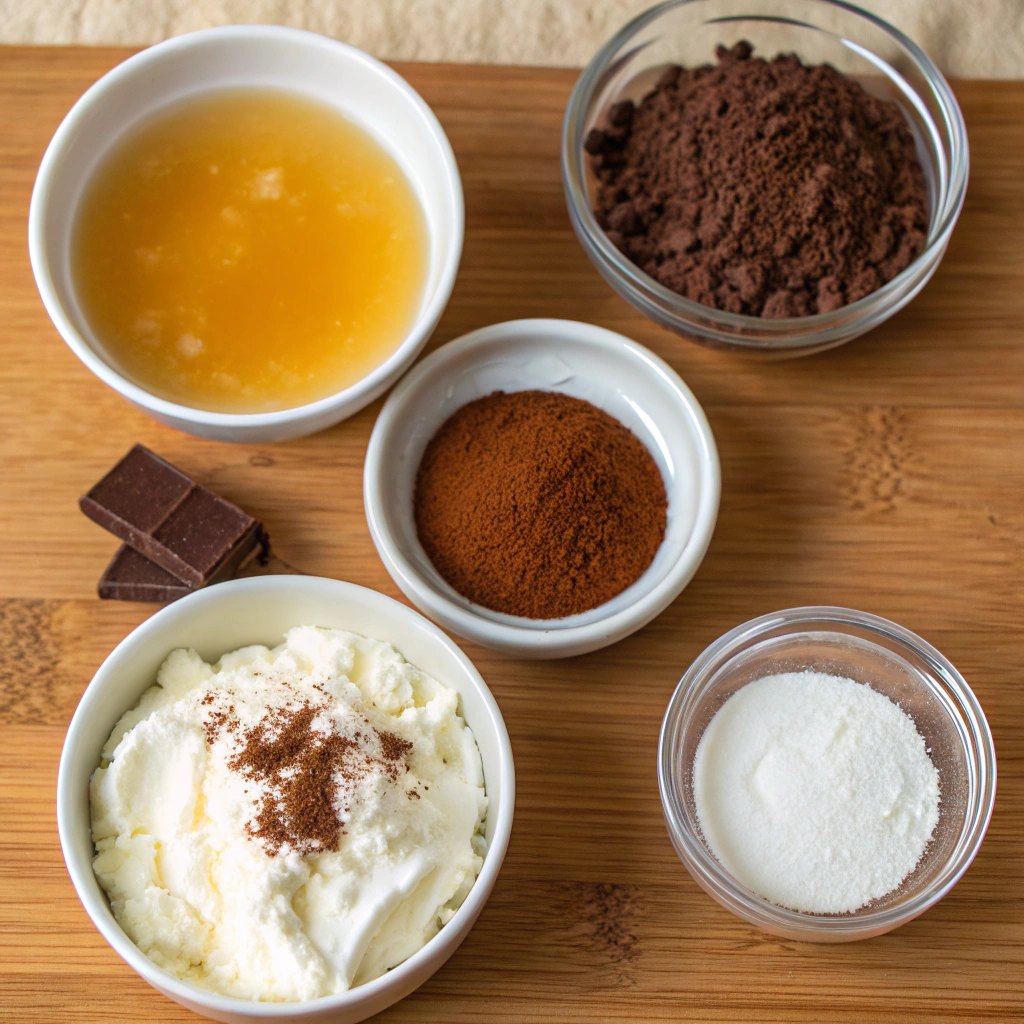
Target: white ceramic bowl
[617,375]
[364,90]
[259,610]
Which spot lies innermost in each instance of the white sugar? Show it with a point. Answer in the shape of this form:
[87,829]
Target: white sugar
[814,791]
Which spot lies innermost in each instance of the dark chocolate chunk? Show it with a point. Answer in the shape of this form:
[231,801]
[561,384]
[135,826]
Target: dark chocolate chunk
[133,577]
[621,113]
[175,522]
[595,141]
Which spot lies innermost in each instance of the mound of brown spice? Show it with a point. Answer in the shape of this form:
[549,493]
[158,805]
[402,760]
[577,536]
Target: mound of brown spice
[538,504]
[765,187]
[303,773]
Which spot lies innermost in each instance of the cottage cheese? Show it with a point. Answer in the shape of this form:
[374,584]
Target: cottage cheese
[190,846]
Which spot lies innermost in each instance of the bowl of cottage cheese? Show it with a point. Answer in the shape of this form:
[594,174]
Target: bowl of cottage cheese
[285,797]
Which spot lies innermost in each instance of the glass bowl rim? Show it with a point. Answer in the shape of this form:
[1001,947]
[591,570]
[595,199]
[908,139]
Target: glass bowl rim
[784,332]
[699,860]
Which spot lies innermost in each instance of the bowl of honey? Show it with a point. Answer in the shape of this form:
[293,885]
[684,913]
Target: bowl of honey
[249,232]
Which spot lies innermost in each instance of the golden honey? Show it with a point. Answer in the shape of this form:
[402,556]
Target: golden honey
[249,250]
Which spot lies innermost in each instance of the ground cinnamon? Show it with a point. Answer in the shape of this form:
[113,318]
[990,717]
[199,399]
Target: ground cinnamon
[306,773]
[538,504]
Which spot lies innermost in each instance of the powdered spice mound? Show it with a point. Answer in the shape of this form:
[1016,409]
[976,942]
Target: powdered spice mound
[306,773]
[538,504]
[770,188]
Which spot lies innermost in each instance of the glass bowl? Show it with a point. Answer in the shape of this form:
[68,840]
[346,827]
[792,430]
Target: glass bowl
[894,662]
[686,32]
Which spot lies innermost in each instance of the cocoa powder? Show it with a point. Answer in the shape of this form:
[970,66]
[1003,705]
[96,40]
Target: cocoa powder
[538,504]
[770,188]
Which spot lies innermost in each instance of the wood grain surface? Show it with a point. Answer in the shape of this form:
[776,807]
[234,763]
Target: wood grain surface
[887,476]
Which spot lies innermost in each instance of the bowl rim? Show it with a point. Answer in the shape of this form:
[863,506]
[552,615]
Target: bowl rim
[683,312]
[94,901]
[536,637]
[140,63]
[750,906]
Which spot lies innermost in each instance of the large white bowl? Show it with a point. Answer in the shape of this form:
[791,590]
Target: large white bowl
[259,610]
[626,380]
[364,90]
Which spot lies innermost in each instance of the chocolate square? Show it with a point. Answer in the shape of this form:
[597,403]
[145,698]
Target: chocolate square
[133,577]
[175,522]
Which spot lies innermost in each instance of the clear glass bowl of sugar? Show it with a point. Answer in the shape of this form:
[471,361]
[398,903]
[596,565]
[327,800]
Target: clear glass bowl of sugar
[894,662]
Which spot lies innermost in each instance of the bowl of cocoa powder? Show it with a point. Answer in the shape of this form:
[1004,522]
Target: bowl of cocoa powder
[777,176]
[541,487]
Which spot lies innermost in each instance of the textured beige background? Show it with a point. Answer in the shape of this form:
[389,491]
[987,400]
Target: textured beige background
[968,38]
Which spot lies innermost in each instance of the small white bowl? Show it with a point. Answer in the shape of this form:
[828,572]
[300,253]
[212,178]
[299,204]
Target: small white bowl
[223,618]
[364,90]
[617,375]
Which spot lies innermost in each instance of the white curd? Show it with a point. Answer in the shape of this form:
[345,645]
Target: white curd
[219,862]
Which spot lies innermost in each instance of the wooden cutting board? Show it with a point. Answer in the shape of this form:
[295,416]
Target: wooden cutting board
[887,476]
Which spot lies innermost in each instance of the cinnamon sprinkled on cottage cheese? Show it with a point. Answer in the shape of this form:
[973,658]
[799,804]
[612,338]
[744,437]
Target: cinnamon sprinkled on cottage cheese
[288,823]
